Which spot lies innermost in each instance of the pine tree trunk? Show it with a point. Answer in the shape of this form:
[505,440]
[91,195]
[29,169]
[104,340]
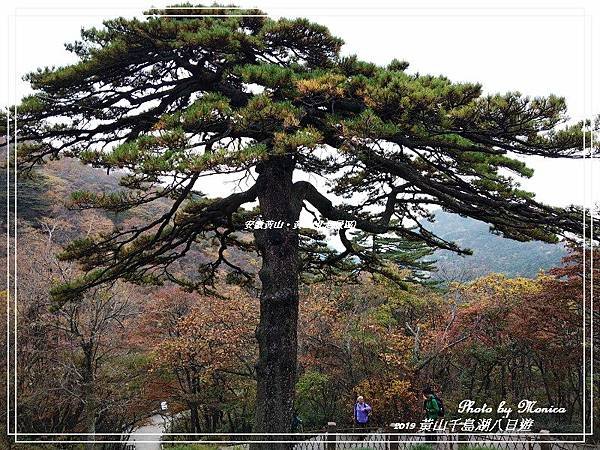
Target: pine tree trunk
[276,333]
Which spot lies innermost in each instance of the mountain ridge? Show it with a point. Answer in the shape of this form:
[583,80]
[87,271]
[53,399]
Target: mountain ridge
[491,253]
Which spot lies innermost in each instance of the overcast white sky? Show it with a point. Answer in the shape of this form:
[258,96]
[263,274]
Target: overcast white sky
[536,47]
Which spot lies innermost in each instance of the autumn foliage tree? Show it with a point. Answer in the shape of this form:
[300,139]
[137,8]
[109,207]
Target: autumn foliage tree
[73,367]
[566,299]
[202,355]
[521,338]
[175,99]
[360,340]
[492,339]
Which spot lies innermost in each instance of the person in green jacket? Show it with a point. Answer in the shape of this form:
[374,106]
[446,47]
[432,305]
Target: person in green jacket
[430,404]
[432,409]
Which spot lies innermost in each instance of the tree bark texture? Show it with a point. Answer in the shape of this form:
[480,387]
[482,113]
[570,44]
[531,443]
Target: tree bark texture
[277,330]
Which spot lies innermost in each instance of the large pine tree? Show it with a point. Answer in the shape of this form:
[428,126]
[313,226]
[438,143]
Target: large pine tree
[176,99]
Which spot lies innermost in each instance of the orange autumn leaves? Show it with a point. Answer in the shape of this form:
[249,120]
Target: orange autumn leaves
[347,334]
[542,313]
[490,308]
[203,334]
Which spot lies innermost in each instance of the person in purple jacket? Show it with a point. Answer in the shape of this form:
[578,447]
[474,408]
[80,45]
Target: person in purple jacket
[362,412]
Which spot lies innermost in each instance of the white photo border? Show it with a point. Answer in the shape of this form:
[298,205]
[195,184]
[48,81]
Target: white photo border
[13,247]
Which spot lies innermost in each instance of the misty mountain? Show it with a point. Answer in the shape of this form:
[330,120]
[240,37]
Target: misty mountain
[491,253]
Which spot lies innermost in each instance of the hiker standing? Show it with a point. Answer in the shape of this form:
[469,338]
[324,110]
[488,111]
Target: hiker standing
[432,407]
[362,412]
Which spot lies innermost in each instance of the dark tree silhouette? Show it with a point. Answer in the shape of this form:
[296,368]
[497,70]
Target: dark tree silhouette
[173,99]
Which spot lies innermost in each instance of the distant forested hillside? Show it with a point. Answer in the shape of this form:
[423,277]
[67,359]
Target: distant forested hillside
[491,253]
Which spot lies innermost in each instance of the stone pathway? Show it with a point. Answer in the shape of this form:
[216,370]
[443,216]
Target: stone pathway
[156,426]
